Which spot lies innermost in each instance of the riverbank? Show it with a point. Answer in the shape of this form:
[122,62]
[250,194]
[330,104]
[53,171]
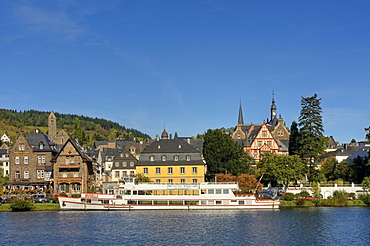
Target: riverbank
[37,207]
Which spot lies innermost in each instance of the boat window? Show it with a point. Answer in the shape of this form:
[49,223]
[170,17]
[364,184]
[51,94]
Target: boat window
[218,202]
[211,202]
[127,192]
[211,191]
[175,203]
[225,191]
[218,191]
[203,202]
[241,202]
[141,192]
[134,192]
[203,191]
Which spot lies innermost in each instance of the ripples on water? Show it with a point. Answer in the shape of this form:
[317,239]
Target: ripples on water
[296,226]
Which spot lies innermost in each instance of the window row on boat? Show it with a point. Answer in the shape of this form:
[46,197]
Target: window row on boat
[176,192]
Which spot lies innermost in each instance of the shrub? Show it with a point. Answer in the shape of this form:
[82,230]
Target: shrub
[288,196]
[21,205]
[303,193]
[340,198]
[365,198]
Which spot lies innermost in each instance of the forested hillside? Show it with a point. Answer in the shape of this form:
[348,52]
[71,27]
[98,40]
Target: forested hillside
[13,121]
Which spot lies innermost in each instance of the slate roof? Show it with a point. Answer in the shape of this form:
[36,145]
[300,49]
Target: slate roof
[170,146]
[35,140]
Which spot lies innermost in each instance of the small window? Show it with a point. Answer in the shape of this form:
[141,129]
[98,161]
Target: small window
[218,191]
[124,163]
[170,181]
[116,174]
[26,175]
[225,191]
[17,174]
[195,181]
[116,164]
[218,202]
[182,181]
[157,170]
[145,171]
[132,164]
[211,191]
[188,158]
[157,181]
[164,158]
[176,158]
[195,170]
[182,170]
[25,159]
[126,154]
[170,170]
[17,160]
[241,202]
[151,158]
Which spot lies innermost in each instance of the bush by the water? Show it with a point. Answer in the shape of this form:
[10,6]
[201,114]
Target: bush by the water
[289,196]
[21,205]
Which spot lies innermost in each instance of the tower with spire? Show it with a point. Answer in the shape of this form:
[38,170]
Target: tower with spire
[240,117]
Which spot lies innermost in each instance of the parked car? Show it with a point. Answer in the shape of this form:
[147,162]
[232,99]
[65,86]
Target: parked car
[40,198]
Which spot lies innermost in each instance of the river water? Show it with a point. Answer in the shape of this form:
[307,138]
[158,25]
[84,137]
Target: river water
[286,226]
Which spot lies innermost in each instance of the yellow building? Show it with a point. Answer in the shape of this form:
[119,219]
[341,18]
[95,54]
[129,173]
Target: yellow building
[171,161]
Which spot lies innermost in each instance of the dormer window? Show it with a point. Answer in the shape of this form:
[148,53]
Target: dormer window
[164,158]
[188,158]
[151,158]
[41,145]
[176,158]
[179,146]
[159,146]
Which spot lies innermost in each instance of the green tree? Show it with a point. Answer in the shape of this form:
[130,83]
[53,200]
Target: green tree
[224,155]
[281,168]
[293,139]
[328,167]
[367,133]
[176,136]
[311,142]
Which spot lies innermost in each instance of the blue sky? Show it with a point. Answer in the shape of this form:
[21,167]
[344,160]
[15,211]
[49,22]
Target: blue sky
[186,65]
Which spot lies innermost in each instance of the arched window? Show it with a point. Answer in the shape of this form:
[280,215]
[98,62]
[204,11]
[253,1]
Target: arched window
[151,158]
[188,158]
[176,158]
[164,158]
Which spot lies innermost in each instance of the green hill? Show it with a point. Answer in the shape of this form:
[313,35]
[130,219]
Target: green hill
[13,121]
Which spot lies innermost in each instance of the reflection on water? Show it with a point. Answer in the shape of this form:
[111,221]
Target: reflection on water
[295,226]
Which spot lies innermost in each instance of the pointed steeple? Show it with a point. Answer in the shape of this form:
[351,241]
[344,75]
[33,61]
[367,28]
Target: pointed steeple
[273,107]
[240,117]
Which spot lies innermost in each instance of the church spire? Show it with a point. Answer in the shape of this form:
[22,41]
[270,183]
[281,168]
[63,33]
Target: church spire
[273,107]
[240,117]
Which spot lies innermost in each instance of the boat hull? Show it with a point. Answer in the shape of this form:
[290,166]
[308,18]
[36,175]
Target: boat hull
[69,203]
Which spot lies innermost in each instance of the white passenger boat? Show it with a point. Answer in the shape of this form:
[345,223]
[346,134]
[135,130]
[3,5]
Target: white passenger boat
[150,196]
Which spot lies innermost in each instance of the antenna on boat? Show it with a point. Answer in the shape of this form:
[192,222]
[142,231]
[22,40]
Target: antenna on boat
[259,181]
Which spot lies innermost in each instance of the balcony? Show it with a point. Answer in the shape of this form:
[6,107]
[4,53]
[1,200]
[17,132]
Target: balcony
[70,165]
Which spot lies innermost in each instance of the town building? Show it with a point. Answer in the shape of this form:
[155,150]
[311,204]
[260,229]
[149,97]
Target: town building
[169,160]
[73,169]
[4,161]
[124,165]
[270,136]
[30,166]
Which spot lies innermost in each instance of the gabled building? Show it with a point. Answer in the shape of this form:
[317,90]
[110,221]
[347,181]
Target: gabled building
[124,165]
[271,136]
[30,164]
[169,160]
[73,169]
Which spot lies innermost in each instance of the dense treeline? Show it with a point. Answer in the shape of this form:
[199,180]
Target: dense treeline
[99,129]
